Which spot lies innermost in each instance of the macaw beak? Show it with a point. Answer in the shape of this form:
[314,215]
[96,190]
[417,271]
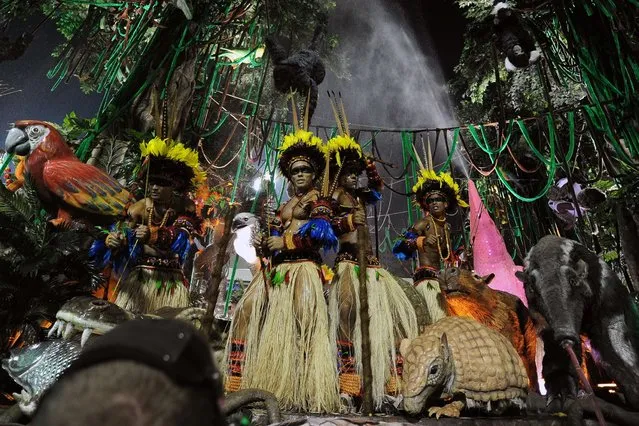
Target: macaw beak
[17,142]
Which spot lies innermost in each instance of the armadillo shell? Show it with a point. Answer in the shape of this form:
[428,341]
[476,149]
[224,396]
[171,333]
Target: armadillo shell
[486,365]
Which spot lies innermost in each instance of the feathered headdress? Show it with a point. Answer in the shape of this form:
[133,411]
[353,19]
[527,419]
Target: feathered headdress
[345,153]
[301,145]
[343,150]
[429,181]
[172,162]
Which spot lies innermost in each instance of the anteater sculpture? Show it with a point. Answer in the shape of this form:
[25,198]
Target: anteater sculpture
[577,293]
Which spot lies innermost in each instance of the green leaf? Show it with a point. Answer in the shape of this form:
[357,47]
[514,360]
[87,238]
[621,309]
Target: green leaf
[278,278]
[611,255]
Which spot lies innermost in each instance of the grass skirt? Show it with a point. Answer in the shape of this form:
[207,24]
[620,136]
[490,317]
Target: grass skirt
[284,341]
[429,289]
[392,318]
[149,288]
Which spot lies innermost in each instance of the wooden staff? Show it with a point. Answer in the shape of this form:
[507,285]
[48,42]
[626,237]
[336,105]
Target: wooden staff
[367,373]
[265,232]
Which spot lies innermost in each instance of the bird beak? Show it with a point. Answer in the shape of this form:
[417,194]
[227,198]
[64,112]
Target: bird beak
[17,141]
[238,224]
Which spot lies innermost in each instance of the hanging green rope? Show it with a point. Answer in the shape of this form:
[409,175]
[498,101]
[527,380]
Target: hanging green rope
[453,147]
[407,157]
[551,170]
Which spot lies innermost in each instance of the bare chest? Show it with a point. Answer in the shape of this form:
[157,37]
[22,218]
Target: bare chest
[297,208]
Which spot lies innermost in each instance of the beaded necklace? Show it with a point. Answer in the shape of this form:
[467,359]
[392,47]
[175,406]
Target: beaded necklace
[151,210]
[446,236]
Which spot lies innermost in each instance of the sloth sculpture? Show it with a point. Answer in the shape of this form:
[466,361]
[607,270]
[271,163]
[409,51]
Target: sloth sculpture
[512,38]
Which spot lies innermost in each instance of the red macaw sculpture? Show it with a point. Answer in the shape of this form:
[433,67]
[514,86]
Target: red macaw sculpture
[66,186]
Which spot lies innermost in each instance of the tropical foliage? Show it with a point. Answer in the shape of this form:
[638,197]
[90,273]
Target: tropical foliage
[584,81]
[205,59]
[480,98]
[40,268]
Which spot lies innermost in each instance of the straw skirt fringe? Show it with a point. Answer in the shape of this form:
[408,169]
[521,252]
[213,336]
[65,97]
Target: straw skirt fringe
[148,288]
[429,289]
[244,335]
[288,352]
[392,318]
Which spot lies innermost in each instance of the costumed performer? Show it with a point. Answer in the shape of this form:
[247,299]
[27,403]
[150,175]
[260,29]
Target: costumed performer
[436,194]
[279,338]
[392,317]
[148,250]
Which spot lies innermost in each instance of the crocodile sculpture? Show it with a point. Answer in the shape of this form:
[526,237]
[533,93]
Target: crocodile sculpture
[91,316]
[35,368]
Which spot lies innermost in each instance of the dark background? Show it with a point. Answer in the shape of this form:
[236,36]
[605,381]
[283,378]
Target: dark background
[443,21]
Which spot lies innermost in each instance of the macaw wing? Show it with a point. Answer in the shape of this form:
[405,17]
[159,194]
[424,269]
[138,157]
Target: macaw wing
[85,187]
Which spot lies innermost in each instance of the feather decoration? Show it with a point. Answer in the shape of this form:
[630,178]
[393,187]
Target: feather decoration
[428,179]
[321,231]
[128,258]
[301,136]
[375,196]
[100,254]
[181,245]
[176,151]
[401,249]
[277,278]
[342,143]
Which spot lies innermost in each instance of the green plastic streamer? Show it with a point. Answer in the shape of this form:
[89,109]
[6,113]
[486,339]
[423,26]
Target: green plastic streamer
[406,156]
[6,162]
[526,135]
[452,150]
[552,168]
[236,182]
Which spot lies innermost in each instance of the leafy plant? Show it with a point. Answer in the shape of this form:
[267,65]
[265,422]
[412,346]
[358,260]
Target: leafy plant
[522,94]
[74,127]
[476,10]
[40,267]
[68,16]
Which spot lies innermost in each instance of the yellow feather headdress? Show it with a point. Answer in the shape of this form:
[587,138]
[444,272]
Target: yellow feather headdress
[429,181]
[302,145]
[174,161]
[343,150]
[344,147]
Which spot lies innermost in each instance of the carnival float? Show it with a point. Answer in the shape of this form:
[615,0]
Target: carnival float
[224,227]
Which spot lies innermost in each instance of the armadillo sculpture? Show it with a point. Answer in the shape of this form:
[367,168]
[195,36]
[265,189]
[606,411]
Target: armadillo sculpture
[464,358]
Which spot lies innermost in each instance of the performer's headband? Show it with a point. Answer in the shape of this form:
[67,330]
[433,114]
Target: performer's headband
[300,158]
[435,196]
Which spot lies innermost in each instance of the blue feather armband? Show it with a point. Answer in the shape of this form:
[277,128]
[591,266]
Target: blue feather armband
[101,255]
[321,231]
[404,247]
